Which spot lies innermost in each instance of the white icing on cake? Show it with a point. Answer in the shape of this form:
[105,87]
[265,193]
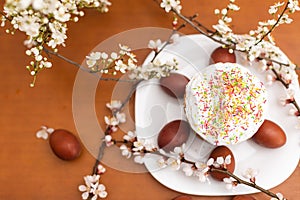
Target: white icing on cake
[225,103]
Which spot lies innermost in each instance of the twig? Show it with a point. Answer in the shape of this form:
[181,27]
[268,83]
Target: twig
[286,86]
[168,41]
[48,51]
[241,181]
[100,156]
[274,26]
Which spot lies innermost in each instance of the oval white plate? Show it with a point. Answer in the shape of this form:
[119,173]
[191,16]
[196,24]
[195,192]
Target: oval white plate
[154,108]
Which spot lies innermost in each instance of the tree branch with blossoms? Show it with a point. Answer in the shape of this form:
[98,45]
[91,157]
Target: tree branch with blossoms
[143,149]
[45,24]
[258,45]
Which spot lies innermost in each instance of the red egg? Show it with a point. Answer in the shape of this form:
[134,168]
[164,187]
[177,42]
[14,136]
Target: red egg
[243,197]
[173,134]
[174,84]
[223,55]
[222,151]
[64,144]
[270,135]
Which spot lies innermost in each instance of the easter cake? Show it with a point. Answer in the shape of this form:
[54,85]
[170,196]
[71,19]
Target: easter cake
[225,103]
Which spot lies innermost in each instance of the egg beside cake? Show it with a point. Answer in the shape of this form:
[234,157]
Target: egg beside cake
[225,103]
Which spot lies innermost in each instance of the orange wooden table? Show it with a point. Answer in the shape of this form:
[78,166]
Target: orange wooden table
[28,168]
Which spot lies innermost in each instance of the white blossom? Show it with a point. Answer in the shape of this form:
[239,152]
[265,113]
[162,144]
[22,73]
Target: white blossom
[270,79]
[171,4]
[175,38]
[113,121]
[120,66]
[293,5]
[273,9]
[279,196]
[233,7]
[121,117]
[108,140]
[130,136]
[44,132]
[154,44]
[92,187]
[138,145]
[188,170]
[101,169]
[174,163]
[99,192]
[229,183]
[155,69]
[45,22]
[114,104]
[92,59]
[202,175]
[125,151]
[222,27]
[161,162]
[250,174]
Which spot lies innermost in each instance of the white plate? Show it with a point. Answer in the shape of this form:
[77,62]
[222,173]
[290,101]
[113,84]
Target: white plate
[154,108]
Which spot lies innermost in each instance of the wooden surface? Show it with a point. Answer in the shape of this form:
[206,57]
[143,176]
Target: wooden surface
[28,168]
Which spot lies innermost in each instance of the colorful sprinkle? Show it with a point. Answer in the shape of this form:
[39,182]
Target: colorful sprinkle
[225,104]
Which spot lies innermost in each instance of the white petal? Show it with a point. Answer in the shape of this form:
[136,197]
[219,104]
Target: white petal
[82,188]
[85,195]
[103,194]
[210,162]
[114,55]
[220,160]
[42,134]
[227,180]
[107,120]
[228,159]
[50,130]
[101,187]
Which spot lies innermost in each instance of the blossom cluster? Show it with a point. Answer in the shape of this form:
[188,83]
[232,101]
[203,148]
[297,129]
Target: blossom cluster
[259,43]
[45,23]
[122,61]
[92,187]
[117,117]
[171,4]
[125,61]
[139,148]
[44,132]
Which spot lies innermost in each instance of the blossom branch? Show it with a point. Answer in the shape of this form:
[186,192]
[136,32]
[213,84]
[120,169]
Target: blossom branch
[48,51]
[209,33]
[241,181]
[274,25]
[293,101]
[169,40]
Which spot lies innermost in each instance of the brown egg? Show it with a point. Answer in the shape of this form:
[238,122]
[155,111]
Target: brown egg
[174,85]
[221,54]
[243,197]
[270,135]
[64,144]
[173,134]
[183,197]
[222,151]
